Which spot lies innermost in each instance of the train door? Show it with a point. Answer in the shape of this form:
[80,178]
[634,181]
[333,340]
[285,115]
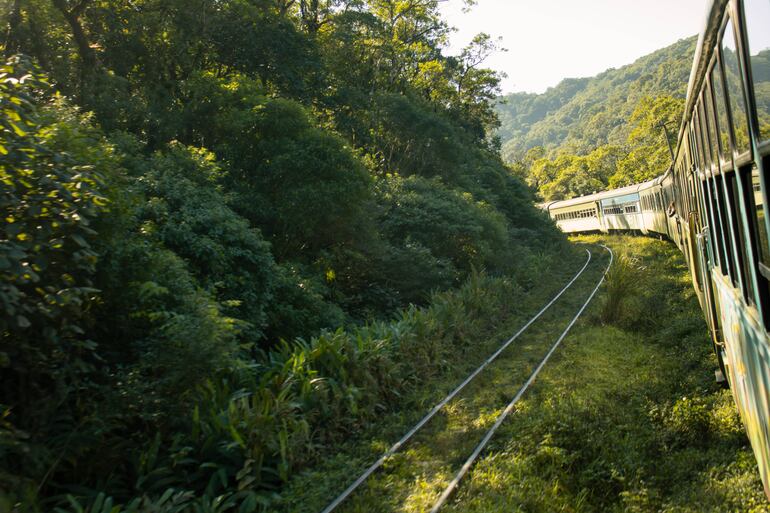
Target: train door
[600,216]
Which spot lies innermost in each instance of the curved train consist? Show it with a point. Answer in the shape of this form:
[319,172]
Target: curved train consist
[710,203]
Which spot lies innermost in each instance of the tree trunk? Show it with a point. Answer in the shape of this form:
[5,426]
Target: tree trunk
[12,38]
[86,53]
[311,17]
[38,48]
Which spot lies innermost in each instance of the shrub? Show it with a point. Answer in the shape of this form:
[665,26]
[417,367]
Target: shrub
[621,286]
[188,213]
[49,198]
[453,226]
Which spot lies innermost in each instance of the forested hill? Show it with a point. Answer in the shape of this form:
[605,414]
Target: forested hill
[580,114]
[212,213]
[590,134]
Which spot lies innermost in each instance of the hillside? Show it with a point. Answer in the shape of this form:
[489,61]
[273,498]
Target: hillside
[233,233]
[580,114]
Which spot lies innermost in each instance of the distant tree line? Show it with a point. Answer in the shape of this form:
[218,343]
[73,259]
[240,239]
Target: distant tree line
[588,134]
[643,156]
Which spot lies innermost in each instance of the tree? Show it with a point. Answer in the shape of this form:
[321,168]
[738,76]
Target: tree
[189,214]
[649,155]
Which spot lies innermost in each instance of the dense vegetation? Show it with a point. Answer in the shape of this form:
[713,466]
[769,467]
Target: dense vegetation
[212,210]
[588,134]
[627,417]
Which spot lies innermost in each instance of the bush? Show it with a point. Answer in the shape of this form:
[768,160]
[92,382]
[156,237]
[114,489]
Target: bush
[188,213]
[301,185]
[250,431]
[49,199]
[620,304]
[453,226]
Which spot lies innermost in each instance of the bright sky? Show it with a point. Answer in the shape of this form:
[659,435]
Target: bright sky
[548,40]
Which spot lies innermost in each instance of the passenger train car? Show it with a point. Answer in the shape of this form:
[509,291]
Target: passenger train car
[710,203]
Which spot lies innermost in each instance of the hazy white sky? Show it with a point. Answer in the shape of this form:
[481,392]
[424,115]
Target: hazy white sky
[548,40]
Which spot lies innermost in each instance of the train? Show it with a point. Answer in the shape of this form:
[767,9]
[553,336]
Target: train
[710,203]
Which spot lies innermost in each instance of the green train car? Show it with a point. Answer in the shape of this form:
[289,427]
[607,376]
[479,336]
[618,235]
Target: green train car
[710,203]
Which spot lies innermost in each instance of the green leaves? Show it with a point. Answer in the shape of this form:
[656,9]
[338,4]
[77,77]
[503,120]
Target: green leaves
[643,156]
[241,199]
[47,264]
[190,215]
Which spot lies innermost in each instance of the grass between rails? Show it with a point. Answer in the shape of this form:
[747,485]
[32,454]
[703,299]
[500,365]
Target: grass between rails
[341,462]
[416,476]
[412,479]
[627,416]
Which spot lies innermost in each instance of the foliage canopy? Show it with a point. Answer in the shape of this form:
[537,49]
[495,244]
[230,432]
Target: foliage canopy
[211,211]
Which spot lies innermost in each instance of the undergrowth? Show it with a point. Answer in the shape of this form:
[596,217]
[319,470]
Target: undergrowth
[254,428]
[412,479]
[627,417]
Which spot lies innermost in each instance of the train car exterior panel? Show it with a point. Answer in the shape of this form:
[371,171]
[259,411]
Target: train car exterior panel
[578,217]
[621,212]
[747,358]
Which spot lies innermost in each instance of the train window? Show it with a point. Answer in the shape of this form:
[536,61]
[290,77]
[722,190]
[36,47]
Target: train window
[735,89]
[576,214]
[683,192]
[694,153]
[740,239]
[693,197]
[708,105]
[693,146]
[630,209]
[757,21]
[703,140]
[711,220]
[716,226]
[760,230]
[724,247]
[723,123]
[686,148]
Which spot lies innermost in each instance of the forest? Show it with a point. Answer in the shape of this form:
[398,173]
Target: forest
[235,232]
[591,134]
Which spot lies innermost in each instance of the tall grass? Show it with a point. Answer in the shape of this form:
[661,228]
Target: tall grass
[621,288]
[627,417]
[258,425]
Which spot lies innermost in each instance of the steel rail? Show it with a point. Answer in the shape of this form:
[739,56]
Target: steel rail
[508,409]
[390,452]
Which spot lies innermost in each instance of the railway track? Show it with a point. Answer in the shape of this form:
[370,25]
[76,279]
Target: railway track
[418,471]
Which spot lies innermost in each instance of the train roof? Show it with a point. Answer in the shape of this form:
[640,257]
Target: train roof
[704,48]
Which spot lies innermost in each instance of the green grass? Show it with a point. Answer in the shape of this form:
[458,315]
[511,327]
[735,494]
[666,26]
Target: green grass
[413,478]
[627,417]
